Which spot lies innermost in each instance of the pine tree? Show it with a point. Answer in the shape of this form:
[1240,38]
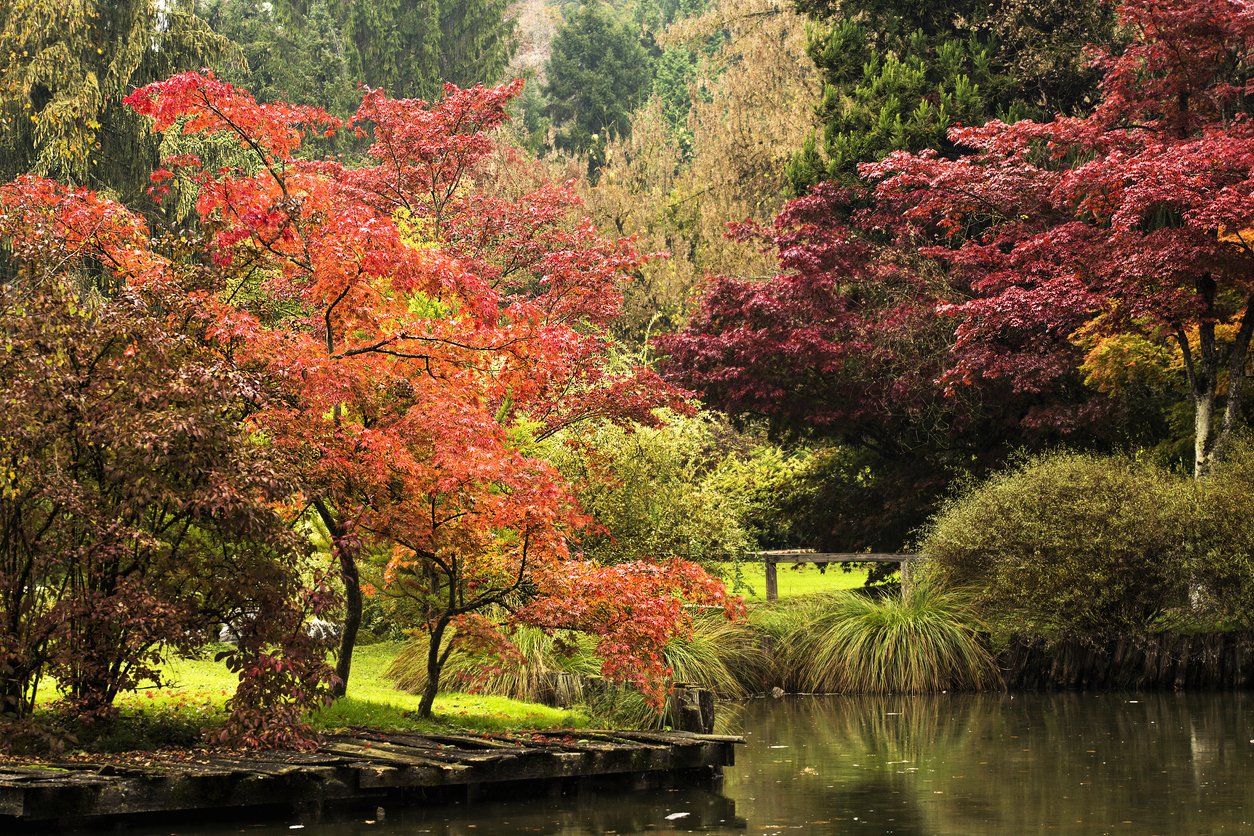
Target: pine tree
[598,72]
[295,51]
[476,41]
[898,75]
[412,47]
[65,66]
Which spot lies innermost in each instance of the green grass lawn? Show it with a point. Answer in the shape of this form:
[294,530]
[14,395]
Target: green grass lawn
[198,688]
[804,579]
[194,691]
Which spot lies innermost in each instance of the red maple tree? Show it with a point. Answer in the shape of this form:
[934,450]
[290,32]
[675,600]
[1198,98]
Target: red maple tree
[137,508]
[1135,219]
[423,322]
[1036,238]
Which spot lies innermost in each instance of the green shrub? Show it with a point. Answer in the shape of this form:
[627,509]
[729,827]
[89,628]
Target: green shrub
[1071,546]
[928,640]
[1222,563]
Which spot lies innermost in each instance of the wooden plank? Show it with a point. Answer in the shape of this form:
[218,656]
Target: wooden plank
[467,741]
[425,748]
[396,756]
[799,556]
[678,738]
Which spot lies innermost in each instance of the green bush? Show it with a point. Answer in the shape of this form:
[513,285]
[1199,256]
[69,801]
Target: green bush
[1222,562]
[928,640]
[1072,546]
[684,489]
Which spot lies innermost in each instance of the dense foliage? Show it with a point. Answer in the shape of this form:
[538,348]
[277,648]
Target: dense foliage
[897,75]
[137,505]
[1130,221]
[1126,547]
[693,488]
[66,68]
[312,50]
[1109,558]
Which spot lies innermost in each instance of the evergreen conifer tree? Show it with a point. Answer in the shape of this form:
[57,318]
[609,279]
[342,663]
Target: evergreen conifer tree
[598,72]
[898,75]
[65,66]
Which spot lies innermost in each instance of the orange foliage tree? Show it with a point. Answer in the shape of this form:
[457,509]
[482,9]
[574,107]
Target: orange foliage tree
[422,324]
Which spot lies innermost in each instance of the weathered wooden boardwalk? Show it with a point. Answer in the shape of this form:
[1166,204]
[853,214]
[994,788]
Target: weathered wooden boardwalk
[357,768]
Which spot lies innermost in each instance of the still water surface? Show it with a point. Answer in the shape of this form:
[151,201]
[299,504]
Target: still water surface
[945,764]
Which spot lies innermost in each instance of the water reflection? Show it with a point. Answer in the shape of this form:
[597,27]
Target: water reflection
[973,764]
[945,764]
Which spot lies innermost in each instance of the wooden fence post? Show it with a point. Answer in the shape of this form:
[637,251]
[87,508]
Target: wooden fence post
[772,582]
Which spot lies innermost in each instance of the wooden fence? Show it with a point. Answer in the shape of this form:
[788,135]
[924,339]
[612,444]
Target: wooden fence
[774,558]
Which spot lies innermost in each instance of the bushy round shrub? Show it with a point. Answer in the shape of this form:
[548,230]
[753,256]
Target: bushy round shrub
[1071,546]
[1222,560]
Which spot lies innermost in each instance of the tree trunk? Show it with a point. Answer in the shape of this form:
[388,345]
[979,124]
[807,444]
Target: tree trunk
[352,620]
[352,597]
[435,663]
[1203,373]
[15,696]
[1203,414]
[1210,442]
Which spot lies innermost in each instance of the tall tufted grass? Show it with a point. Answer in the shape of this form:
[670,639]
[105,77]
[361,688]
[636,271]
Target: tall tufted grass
[929,640]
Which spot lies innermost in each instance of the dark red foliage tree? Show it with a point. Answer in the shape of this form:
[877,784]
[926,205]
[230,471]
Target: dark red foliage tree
[1134,220]
[136,506]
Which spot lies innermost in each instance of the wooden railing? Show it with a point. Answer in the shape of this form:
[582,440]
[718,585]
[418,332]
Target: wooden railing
[773,558]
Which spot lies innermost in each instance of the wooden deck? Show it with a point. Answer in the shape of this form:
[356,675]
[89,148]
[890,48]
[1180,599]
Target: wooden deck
[356,768]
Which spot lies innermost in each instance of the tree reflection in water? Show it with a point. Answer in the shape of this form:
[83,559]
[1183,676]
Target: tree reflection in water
[943,764]
[997,763]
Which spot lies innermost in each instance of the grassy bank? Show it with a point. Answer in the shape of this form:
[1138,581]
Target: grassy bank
[371,701]
[748,579]
[196,692]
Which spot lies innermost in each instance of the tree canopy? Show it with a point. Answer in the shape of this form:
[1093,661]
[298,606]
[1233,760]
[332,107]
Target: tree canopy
[423,321]
[898,75]
[597,74]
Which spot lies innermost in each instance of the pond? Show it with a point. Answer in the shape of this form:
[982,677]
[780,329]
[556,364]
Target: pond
[945,764]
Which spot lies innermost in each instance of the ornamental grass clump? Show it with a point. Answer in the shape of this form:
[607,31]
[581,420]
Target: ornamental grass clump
[529,676]
[928,640]
[726,657]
